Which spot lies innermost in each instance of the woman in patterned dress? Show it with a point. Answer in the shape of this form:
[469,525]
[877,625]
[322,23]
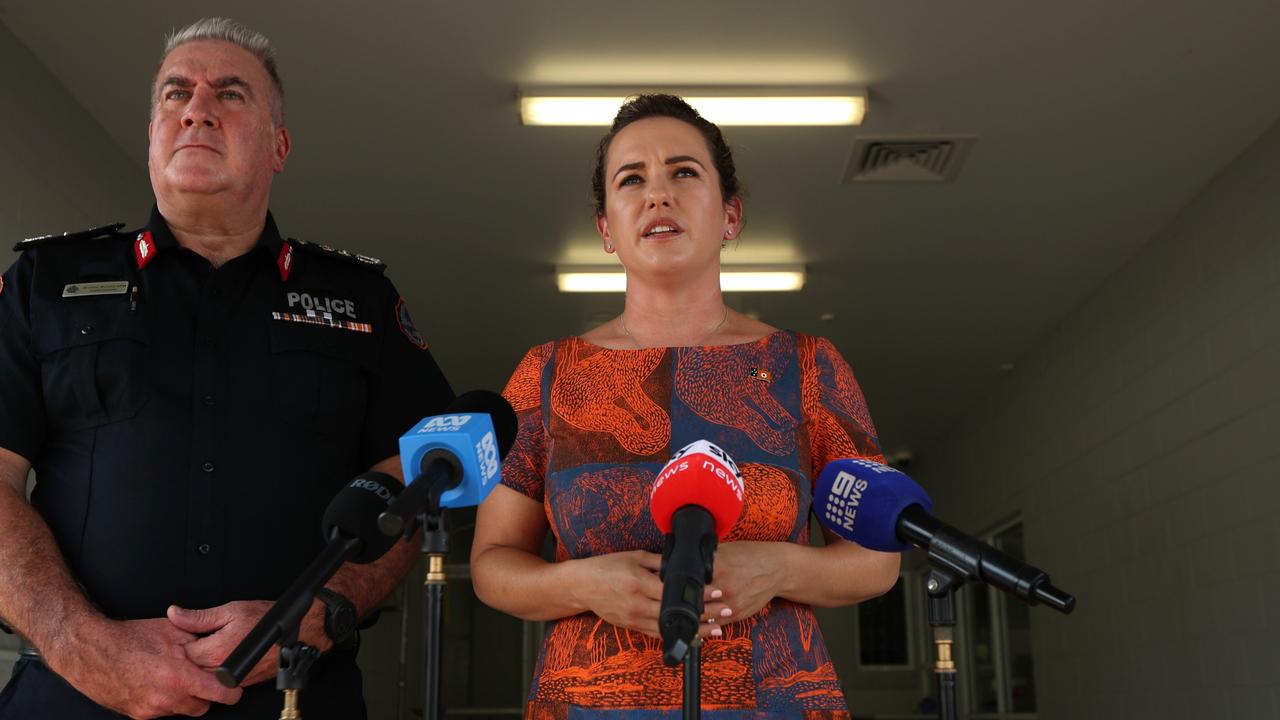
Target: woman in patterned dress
[600,414]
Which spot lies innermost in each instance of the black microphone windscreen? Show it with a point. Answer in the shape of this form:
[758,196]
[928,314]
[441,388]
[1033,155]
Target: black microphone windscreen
[354,512]
[498,410]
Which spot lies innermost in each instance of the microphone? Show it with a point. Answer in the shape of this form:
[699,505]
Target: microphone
[882,509]
[452,460]
[351,527]
[695,501]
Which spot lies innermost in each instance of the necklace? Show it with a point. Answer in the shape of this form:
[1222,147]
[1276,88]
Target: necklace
[623,324]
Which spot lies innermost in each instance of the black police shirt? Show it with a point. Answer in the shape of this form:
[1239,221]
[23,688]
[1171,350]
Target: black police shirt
[189,424]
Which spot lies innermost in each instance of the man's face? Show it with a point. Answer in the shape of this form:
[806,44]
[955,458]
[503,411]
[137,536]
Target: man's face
[212,129]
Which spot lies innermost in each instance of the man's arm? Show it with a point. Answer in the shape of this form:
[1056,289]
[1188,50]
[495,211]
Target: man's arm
[368,585]
[38,596]
[134,667]
[226,625]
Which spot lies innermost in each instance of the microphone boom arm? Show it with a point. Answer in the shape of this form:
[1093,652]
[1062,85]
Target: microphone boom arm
[969,559]
[286,614]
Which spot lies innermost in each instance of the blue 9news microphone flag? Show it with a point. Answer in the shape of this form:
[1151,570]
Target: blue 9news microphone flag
[880,508]
[861,500]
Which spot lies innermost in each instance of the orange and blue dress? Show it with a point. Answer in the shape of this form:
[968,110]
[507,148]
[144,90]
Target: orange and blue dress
[597,425]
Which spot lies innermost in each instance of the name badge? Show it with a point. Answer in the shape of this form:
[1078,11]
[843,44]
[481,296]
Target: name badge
[109,287]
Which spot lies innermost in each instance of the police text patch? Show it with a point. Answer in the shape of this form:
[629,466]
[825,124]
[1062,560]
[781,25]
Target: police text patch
[321,304]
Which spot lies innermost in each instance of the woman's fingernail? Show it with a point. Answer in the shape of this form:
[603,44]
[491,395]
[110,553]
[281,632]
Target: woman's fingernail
[726,612]
[716,632]
[717,594]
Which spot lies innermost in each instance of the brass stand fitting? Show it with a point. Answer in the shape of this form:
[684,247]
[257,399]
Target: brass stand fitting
[290,711]
[942,639]
[435,569]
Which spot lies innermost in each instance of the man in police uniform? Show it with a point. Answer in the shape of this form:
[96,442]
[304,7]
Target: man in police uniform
[191,396]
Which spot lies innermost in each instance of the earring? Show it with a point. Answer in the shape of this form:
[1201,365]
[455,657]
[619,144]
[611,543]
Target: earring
[608,247]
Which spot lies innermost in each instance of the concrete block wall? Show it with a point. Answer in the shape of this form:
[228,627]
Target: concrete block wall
[59,171]
[1140,443]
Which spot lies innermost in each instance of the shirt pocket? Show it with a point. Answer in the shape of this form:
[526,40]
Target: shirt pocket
[321,376]
[93,362]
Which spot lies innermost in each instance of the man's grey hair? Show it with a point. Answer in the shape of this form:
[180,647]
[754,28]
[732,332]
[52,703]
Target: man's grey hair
[227,30]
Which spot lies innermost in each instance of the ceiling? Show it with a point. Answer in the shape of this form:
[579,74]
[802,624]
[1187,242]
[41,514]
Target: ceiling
[1095,123]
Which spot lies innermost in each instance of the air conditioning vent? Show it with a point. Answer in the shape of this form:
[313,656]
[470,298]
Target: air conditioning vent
[936,159]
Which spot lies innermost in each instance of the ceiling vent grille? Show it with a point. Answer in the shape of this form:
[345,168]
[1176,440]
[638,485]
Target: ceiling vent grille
[936,159]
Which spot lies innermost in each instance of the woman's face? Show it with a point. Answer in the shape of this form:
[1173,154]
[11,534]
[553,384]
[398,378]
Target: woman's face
[663,211]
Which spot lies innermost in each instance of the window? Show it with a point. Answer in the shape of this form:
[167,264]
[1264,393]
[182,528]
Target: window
[996,652]
[883,632]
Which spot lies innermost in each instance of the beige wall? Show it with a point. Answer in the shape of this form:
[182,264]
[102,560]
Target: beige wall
[1140,442]
[59,170]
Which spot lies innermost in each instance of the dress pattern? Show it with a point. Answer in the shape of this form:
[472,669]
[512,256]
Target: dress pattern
[597,425]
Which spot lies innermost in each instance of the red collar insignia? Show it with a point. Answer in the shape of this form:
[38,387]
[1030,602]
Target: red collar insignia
[144,248]
[285,260]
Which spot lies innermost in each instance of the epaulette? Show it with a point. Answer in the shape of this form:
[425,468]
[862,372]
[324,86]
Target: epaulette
[368,263]
[90,234]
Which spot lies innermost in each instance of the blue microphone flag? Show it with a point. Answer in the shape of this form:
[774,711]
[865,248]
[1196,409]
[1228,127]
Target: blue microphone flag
[860,500]
[470,438]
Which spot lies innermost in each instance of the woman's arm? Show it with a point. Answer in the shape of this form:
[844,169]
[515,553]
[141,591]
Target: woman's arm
[510,575]
[750,574]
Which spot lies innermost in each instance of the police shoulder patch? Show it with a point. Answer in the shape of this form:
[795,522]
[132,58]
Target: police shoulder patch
[90,234]
[369,263]
[406,325]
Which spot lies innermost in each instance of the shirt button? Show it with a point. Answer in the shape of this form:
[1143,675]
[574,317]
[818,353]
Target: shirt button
[207,467]
[204,548]
[207,400]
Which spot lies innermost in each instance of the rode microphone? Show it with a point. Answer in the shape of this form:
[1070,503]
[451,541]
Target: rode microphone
[882,509]
[453,459]
[695,501]
[350,524]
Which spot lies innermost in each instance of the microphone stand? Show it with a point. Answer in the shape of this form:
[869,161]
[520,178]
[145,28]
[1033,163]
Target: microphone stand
[941,586]
[955,559]
[693,680]
[419,505]
[292,668]
[941,591]
[435,546]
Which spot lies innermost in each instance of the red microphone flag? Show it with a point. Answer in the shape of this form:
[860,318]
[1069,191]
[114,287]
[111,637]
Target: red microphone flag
[699,474]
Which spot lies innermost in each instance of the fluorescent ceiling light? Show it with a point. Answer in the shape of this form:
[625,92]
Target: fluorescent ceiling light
[583,280]
[745,280]
[741,278]
[844,106]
